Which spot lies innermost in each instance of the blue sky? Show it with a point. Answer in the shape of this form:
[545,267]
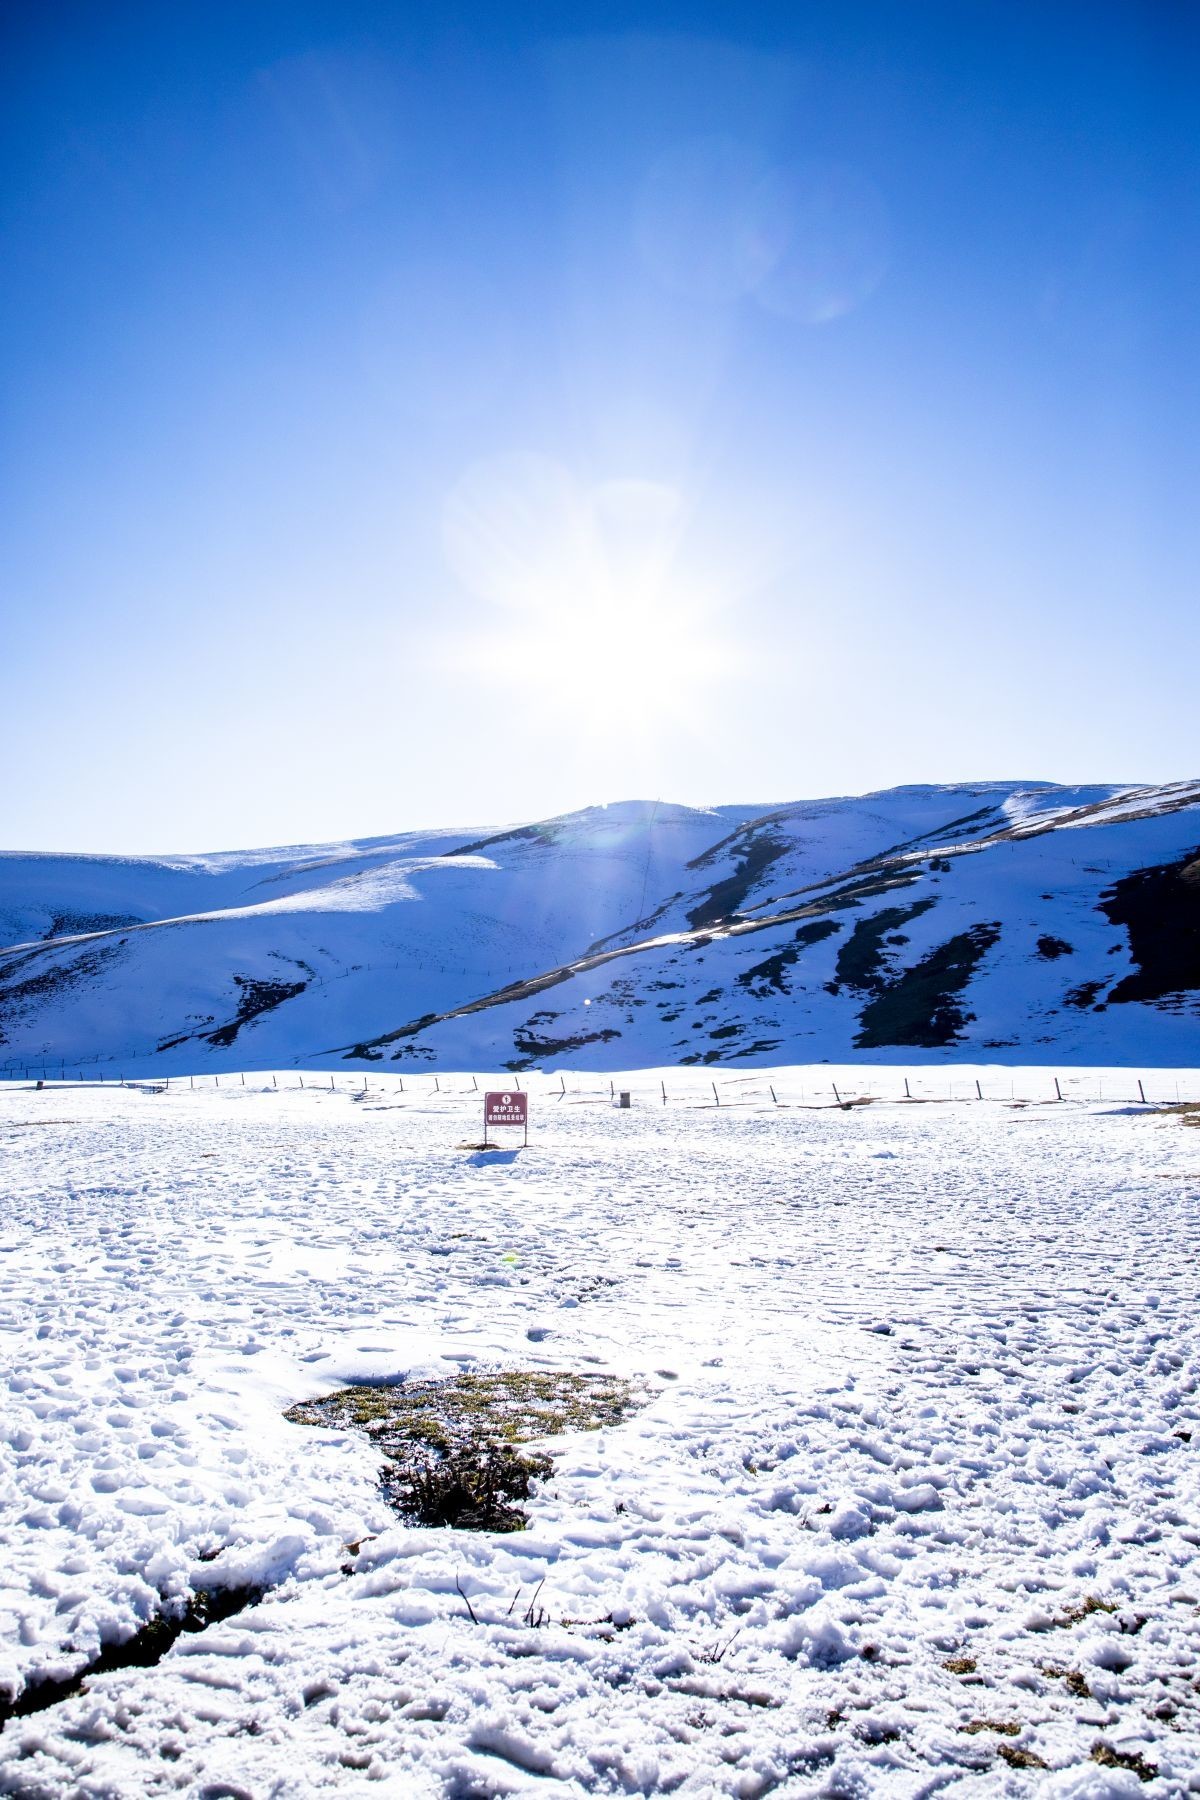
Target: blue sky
[441,415]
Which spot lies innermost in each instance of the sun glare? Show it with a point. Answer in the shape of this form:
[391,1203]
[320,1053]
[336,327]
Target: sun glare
[600,617]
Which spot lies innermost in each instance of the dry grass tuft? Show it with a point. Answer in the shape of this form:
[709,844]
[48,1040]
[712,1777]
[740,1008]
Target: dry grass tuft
[452,1446]
[1108,1758]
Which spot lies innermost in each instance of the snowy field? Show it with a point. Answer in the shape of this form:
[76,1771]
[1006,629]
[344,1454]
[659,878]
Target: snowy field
[912,1508]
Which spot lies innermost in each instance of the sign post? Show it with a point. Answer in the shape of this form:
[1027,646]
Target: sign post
[506,1109]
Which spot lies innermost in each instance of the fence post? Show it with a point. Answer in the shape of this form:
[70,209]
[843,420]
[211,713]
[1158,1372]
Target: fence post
[907,1095]
[836,1095]
[664,1089]
[1057,1089]
[331,1084]
[978,1089]
[1141,1090]
[773,1095]
[716,1096]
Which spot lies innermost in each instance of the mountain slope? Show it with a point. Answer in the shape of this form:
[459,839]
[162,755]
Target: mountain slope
[997,921]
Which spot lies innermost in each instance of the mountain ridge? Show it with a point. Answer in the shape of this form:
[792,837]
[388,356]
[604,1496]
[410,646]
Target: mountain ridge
[904,920]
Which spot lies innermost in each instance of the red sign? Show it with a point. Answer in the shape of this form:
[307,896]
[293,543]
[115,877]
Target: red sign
[506,1109]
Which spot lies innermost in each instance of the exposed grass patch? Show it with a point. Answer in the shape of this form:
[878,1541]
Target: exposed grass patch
[143,1650]
[920,1006]
[1084,995]
[1017,1758]
[1071,1678]
[73,924]
[77,967]
[1186,1111]
[254,997]
[862,960]
[452,1447]
[1074,1614]
[757,848]
[1108,1758]
[534,1049]
[473,1489]
[769,974]
[1160,909]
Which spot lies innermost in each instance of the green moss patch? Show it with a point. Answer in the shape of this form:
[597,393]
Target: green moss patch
[452,1447]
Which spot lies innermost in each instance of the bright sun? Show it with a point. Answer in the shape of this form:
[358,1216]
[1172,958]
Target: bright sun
[596,623]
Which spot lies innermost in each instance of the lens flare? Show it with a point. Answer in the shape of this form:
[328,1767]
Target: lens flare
[832,227]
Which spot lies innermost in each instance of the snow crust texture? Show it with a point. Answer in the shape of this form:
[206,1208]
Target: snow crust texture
[913,1508]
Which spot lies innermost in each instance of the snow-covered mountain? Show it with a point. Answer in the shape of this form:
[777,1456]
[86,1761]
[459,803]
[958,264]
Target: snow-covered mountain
[991,921]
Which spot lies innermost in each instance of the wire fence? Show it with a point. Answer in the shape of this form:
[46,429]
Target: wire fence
[810,1087]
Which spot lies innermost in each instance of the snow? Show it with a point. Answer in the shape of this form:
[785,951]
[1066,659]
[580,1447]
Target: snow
[919,1380]
[633,934]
